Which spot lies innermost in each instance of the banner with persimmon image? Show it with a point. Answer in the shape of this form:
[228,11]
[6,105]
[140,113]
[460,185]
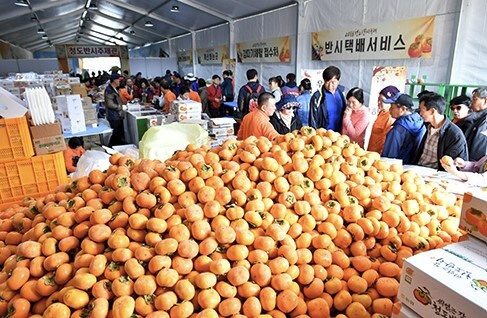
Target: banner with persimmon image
[402,39]
[264,51]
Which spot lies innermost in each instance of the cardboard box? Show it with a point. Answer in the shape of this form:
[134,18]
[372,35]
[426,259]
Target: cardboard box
[69,111]
[221,122]
[74,80]
[438,283]
[202,122]
[11,106]
[474,215]
[399,310]
[188,115]
[472,250]
[224,131]
[186,106]
[79,91]
[47,139]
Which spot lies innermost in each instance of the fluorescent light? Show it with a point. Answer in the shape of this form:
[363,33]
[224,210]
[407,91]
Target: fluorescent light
[44,37]
[40,31]
[175,9]
[149,24]
[93,7]
[33,19]
[21,3]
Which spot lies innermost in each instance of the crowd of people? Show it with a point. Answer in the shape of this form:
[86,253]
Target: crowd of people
[416,135]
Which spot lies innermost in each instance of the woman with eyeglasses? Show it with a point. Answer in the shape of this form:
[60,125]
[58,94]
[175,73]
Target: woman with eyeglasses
[356,117]
[460,108]
[284,119]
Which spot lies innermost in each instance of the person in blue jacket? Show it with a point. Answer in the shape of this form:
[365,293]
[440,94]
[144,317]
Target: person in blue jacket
[403,140]
[328,103]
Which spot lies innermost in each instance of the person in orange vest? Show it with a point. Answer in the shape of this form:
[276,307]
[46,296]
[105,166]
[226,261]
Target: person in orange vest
[384,121]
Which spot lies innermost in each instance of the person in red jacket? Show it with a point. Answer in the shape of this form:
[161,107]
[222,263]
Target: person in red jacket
[215,97]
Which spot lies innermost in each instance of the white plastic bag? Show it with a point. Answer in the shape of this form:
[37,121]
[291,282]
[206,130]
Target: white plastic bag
[91,160]
[160,142]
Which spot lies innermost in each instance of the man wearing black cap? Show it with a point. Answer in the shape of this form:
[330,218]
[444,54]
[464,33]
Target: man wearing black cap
[402,141]
[384,121]
[113,103]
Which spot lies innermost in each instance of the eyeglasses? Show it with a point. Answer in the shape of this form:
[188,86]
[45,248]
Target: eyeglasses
[458,108]
[290,107]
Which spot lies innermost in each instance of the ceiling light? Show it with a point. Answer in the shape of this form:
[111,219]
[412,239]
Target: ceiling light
[175,9]
[21,3]
[40,31]
[81,32]
[93,7]
[33,19]
[44,37]
[132,32]
[149,24]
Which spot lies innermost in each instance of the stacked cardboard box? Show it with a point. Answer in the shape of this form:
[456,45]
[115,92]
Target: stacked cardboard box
[90,112]
[186,109]
[220,129]
[69,111]
[451,281]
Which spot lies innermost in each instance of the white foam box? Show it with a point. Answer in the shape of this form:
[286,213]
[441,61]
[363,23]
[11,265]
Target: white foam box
[399,310]
[223,122]
[438,283]
[474,215]
[69,110]
[185,106]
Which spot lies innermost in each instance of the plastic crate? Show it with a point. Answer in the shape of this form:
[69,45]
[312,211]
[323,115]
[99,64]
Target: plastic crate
[15,141]
[31,177]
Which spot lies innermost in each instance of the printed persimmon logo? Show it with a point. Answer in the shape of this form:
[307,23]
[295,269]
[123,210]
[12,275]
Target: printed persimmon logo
[409,271]
[479,284]
[422,294]
[474,217]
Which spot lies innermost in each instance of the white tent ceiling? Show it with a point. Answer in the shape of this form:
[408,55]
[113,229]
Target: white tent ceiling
[121,22]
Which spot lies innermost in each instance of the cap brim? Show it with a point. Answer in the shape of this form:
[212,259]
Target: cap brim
[391,100]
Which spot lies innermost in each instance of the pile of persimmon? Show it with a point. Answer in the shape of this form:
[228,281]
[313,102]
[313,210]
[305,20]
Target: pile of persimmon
[308,226]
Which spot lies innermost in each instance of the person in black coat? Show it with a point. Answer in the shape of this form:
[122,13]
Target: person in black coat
[442,136]
[285,119]
[476,125]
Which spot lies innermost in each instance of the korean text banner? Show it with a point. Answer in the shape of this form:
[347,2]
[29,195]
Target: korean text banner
[393,40]
[92,50]
[270,50]
[185,57]
[214,55]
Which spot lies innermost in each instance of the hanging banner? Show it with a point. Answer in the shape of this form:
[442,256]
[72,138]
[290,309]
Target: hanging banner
[394,40]
[185,57]
[213,55]
[92,50]
[265,51]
